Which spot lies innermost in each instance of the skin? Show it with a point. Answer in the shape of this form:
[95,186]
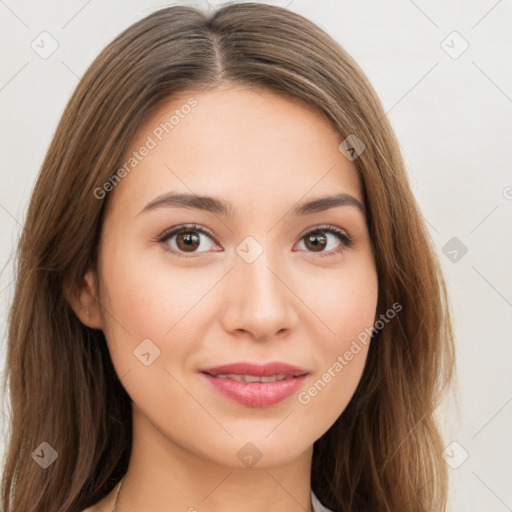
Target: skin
[265,154]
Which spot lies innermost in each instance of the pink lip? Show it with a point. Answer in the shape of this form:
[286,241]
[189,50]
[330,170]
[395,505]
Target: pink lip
[263,370]
[257,394]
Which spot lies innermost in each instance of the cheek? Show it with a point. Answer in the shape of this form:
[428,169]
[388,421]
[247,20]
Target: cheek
[157,316]
[346,303]
[327,394]
[340,362]
[343,300]
[148,296]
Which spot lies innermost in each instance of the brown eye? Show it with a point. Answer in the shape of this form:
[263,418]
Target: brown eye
[326,240]
[316,242]
[187,239]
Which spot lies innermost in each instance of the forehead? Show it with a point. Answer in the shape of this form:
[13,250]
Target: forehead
[252,145]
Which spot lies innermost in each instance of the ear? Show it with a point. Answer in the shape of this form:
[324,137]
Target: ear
[84,300]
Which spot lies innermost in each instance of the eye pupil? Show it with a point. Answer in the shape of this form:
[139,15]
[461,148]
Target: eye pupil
[189,238]
[315,243]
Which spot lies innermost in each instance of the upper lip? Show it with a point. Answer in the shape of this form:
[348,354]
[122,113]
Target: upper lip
[263,370]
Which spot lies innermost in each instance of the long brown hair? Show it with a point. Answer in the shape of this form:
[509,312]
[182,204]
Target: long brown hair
[384,452]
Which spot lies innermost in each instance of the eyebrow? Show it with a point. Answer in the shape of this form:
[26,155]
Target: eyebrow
[222,207]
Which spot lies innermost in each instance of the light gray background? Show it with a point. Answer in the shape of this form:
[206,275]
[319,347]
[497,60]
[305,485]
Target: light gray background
[453,119]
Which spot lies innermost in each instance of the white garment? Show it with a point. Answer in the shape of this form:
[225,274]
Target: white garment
[317,506]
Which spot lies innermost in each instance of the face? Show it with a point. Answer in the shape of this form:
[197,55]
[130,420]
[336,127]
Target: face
[251,275]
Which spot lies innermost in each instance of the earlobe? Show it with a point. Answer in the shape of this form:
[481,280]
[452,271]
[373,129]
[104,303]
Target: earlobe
[83,299]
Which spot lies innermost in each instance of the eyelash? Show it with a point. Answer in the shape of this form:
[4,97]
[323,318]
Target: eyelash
[346,240]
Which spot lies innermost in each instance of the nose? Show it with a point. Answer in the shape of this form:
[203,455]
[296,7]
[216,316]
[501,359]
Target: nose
[258,300]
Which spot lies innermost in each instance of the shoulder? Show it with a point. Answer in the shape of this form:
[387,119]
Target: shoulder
[106,504]
[99,507]
[317,505]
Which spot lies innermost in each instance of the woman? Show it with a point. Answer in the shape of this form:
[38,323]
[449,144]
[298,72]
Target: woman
[226,297]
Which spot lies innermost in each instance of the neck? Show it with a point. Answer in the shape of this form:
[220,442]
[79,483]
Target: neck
[168,478]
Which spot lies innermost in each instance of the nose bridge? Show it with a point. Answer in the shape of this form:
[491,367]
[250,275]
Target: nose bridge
[259,301]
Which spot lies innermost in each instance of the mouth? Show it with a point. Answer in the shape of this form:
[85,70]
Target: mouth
[253,378]
[256,385]
[274,369]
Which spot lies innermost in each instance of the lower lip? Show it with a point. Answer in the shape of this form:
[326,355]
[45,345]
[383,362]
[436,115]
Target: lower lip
[257,394]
